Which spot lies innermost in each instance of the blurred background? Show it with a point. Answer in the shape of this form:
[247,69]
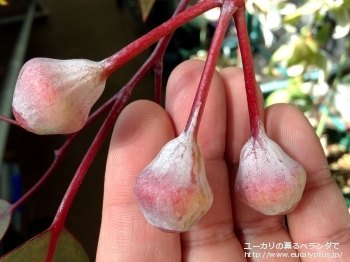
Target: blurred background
[301,55]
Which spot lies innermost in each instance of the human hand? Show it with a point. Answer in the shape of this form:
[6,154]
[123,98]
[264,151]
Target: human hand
[321,218]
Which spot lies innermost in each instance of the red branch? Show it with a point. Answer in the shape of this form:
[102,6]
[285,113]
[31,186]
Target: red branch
[249,74]
[9,120]
[192,126]
[115,61]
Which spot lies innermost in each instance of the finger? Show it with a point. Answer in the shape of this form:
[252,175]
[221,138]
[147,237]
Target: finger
[212,236]
[322,215]
[255,230]
[141,131]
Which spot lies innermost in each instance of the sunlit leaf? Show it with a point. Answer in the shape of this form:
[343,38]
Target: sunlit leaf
[286,8]
[303,104]
[263,5]
[321,62]
[313,45]
[146,6]
[5,217]
[301,52]
[296,69]
[297,97]
[68,249]
[347,4]
[308,8]
[278,96]
[342,19]
[283,53]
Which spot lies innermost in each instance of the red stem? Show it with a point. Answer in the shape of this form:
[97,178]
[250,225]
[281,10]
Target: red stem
[158,77]
[9,120]
[249,74]
[192,126]
[115,61]
[59,154]
[59,220]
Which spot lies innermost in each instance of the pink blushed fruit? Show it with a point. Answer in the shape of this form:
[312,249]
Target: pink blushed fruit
[268,180]
[55,96]
[172,191]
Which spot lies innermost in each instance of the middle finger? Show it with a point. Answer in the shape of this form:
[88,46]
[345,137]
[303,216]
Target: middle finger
[257,232]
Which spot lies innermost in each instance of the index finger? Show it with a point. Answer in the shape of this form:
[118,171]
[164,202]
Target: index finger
[141,130]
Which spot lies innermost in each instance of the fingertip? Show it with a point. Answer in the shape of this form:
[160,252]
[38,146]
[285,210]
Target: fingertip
[237,129]
[181,90]
[287,126]
[140,132]
[181,87]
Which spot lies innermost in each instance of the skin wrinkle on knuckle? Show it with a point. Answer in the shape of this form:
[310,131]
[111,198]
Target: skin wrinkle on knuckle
[260,227]
[342,237]
[318,178]
[211,235]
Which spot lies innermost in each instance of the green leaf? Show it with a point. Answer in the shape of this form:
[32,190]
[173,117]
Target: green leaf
[346,79]
[68,249]
[294,87]
[347,4]
[278,96]
[301,52]
[297,97]
[313,45]
[342,19]
[321,62]
[5,217]
[323,34]
[146,6]
[283,53]
[308,8]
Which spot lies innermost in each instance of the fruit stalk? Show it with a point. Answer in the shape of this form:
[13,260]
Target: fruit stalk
[249,74]
[8,120]
[267,180]
[192,126]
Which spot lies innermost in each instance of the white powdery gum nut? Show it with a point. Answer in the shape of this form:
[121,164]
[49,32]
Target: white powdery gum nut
[55,96]
[268,180]
[172,191]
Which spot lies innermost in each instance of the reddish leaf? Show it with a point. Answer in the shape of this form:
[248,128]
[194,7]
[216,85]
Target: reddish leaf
[5,216]
[146,6]
[68,249]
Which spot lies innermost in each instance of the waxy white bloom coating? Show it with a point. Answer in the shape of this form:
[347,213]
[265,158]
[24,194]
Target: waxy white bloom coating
[55,96]
[172,191]
[268,180]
